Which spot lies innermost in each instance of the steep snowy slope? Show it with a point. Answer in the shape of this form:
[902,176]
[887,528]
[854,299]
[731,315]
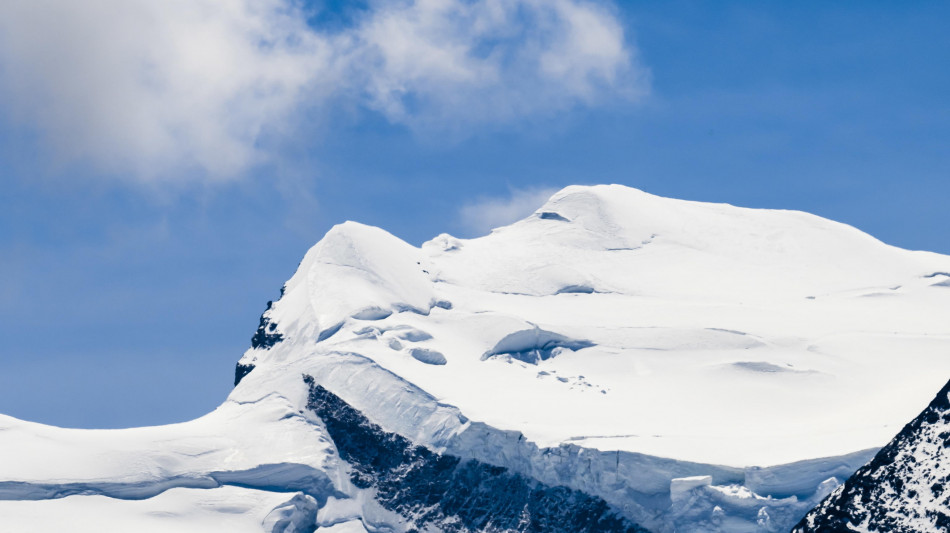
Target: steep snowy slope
[615,361]
[903,490]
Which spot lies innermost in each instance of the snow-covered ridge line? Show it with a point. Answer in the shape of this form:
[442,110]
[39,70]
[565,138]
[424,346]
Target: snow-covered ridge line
[262,443]
[227,509]
[287,477]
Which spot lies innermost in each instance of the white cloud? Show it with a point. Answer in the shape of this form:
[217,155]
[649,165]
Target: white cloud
[486,214]
[492,60]
[149,88]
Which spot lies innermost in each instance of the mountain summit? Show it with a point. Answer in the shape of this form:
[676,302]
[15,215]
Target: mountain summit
[660,324]
[616,361]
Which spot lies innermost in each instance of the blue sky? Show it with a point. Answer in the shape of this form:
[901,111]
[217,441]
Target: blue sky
[163,172]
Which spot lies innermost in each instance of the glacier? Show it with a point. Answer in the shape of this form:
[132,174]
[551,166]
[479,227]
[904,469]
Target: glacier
[616,360]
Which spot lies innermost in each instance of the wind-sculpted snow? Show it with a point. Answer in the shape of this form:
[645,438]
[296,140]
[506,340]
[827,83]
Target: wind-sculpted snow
[179,510]
[445,492]
[904,489]
[246,443]
[534,345]
[281,477]
[258,453]
[429,357]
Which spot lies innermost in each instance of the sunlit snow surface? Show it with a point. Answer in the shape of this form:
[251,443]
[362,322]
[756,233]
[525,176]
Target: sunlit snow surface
[655,353]
[717,334]
[177,510]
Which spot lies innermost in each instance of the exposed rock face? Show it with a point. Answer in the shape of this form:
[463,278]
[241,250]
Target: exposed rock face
[241,370]
[448,493]
[904,489]
[264,338]
[266,335]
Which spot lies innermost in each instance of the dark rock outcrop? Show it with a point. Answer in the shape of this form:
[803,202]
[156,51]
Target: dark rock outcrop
[266,335]
[264,338]
[448,493]
[904,489]
[240,371]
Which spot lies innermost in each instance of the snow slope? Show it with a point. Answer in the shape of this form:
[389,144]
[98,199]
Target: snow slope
[694,367]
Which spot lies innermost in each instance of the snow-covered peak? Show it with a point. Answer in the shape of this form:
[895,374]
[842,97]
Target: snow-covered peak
[616,358]
[632,242]
[355,271]
[611,217]
[642,323]
[594,217]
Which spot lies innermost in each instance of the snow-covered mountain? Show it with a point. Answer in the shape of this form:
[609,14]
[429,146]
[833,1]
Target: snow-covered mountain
[616,361]
[904,489]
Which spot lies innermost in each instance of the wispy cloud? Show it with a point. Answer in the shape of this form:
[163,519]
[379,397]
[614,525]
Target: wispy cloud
[150,89]
[486,214]
[492,60]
